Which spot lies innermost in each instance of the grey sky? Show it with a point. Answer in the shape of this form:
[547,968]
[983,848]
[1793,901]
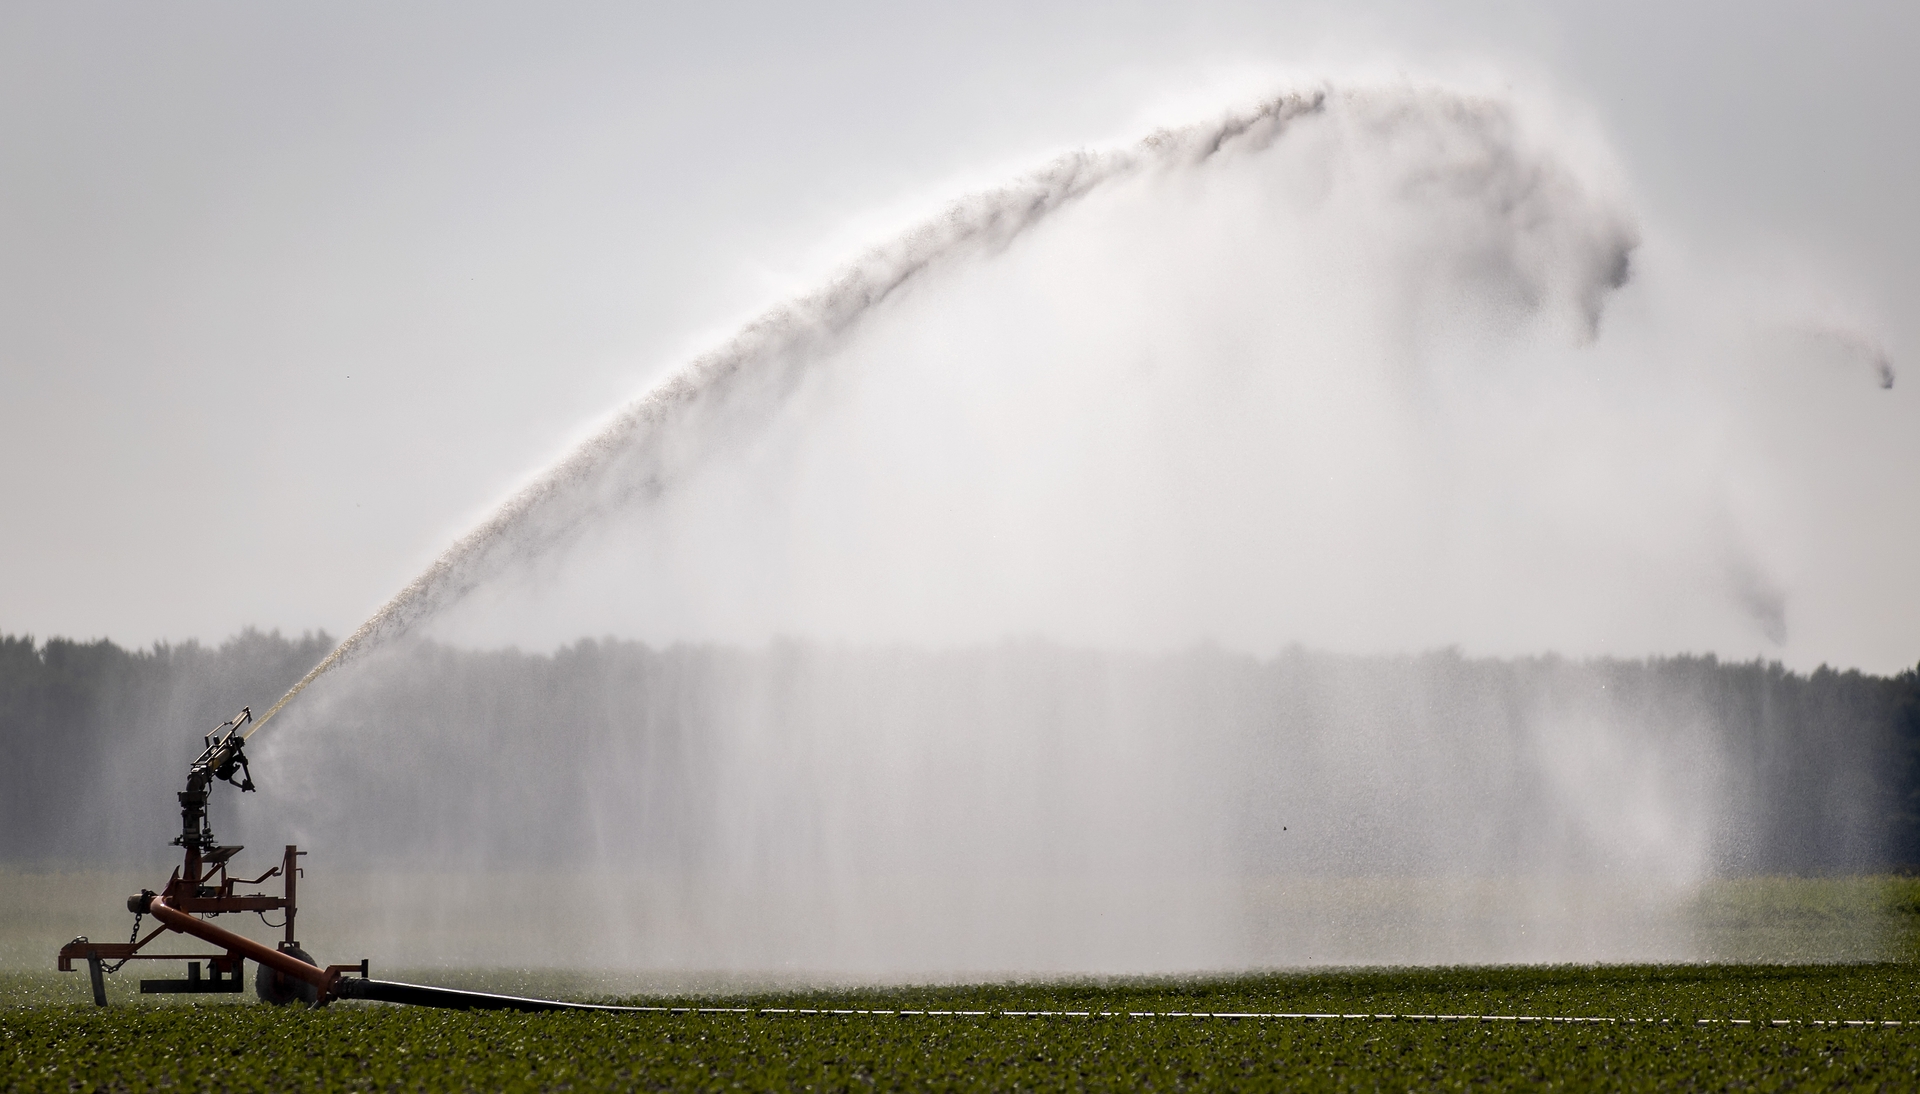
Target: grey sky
[289,296]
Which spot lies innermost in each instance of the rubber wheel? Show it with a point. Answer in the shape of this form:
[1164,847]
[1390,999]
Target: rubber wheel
[280,989]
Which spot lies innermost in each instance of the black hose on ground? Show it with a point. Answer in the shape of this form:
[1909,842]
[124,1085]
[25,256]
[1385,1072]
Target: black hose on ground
[421,995]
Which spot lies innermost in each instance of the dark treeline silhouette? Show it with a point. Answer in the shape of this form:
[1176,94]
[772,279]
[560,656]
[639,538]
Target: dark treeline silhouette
[89,728]
[438,750]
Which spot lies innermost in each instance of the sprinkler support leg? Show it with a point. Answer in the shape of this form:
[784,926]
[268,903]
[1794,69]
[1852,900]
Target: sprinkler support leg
[99,980]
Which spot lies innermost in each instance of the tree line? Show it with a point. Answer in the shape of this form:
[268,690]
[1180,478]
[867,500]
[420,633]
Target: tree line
[505,756]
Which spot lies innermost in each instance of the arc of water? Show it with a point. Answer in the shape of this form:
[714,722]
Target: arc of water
[787,337]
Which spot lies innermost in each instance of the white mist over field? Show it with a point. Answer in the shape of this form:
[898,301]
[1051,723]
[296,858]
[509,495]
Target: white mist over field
[1360,379]
[1373,369]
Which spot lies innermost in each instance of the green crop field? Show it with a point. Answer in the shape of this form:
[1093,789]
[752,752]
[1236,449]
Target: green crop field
[1669,1027]
[234,1046]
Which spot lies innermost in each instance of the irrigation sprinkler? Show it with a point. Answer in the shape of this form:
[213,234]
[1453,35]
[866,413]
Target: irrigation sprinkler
[202,887]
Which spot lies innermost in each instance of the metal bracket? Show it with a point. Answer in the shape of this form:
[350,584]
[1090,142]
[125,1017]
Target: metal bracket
[194,985]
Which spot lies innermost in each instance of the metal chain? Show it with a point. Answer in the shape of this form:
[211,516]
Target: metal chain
[131,939]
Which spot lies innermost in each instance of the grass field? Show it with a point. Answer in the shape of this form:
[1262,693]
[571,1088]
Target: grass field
[66,1046]
[51,1040]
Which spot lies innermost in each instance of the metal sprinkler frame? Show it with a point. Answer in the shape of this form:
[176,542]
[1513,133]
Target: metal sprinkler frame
[202,887]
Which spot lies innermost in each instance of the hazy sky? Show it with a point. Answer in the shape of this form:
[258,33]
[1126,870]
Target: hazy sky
[290,295]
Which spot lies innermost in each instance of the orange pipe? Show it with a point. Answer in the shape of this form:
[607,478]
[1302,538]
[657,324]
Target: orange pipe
[220,936]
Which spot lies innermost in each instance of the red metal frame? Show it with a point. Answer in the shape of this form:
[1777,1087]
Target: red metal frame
[202,885]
